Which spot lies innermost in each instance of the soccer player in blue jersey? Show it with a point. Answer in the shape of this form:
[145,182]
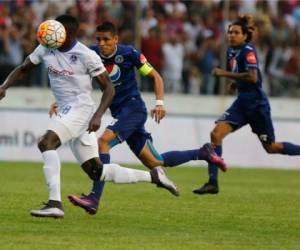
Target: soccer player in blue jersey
[130,113]
[251,105]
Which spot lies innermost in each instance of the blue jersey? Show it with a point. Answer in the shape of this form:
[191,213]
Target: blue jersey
[251,106]
[121,68]
[240,61]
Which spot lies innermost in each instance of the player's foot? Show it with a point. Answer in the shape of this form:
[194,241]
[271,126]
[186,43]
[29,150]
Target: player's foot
[51,209]
[207,188]
[161,180]
[211,156]
[88,202]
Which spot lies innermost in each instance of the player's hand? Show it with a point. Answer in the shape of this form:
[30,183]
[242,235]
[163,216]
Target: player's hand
[217,72]
[231,88]
[94,124]
[158,113]
[2,92]
[53,109]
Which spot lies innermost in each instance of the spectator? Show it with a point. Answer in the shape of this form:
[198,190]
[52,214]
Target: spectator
[173,52]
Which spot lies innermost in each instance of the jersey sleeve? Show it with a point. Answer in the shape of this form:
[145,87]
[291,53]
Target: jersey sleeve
[94,64]
[140,62]
[250,58]
[36,56]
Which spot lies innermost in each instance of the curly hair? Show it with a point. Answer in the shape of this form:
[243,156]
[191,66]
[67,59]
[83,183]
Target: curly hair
[246,23]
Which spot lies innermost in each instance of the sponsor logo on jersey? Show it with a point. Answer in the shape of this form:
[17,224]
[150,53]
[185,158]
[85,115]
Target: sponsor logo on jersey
[251,58]
[54,71]
[143,59]
[113,71]
[119,59]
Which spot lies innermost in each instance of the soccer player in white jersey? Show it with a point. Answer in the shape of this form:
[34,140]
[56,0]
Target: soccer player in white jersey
[71,69]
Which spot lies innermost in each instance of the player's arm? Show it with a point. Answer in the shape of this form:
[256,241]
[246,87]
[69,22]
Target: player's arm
[17,74]
[249,76]
[108,93]
[158,112]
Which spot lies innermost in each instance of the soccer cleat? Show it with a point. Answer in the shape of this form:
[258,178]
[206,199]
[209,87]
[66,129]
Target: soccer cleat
[88,202]
[159,177]
[52,209]
[209,152]
[207,188]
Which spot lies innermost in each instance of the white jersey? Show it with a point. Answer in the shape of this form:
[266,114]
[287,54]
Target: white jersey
[70,72]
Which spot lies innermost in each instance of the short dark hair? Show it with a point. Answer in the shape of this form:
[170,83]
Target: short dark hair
[247,25]
[107,27]
[70,23]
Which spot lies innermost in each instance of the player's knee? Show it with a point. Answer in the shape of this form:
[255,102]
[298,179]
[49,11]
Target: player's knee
[45,144]
[215,136]
[152,163]
[103,144]
[93,168]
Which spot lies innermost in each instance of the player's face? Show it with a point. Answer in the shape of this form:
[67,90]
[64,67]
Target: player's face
[107,42]
[235,35]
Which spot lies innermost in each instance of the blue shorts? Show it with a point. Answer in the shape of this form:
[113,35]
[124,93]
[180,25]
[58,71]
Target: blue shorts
[129,125]
[258,116]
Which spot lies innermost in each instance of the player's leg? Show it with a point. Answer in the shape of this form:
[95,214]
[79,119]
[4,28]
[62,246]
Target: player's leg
[217,135]
[262,125]
[141,144]
[106,141]
[285,148]
[48,144]
[206,153]
[232,119]
[86,152]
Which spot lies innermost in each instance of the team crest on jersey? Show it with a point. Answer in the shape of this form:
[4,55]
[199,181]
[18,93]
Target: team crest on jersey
[119,59]
[113,71]
[73,58]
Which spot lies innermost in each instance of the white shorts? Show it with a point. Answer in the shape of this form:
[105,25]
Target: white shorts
[70,125]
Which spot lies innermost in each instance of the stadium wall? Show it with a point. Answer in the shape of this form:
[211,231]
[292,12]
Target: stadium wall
[24,118]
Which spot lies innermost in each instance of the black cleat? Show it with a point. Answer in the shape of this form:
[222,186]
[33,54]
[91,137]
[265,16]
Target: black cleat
[207,188]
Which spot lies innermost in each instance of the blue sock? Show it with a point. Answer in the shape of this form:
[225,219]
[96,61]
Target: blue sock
[290,149]
[175,158]
[213,169]
[98,186]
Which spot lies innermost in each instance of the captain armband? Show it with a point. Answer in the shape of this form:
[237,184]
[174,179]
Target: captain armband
[146,69]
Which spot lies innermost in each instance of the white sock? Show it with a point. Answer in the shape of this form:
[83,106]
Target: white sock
[117,174]
[52,174]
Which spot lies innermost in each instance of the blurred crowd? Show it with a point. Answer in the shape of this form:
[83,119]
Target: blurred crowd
[183,40]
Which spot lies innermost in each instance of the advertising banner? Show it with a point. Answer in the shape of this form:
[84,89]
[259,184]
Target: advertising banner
[20,130]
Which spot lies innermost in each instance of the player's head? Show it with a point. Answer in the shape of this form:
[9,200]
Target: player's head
[107,38]
[240,31]
[71,25]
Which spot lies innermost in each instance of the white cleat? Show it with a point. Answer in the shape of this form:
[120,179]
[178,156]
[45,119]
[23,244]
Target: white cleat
[49,210]
[161,180]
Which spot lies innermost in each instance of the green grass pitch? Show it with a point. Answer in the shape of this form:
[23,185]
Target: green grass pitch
[256,209]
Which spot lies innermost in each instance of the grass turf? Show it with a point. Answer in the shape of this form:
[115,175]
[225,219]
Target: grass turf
[256,209]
